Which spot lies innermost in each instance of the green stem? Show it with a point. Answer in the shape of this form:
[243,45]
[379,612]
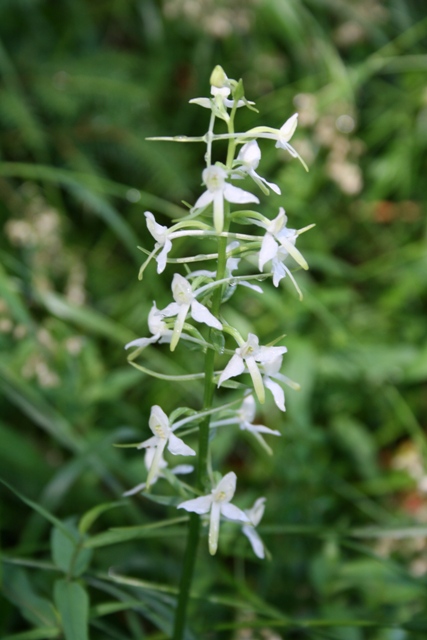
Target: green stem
[202,465]
[209,389]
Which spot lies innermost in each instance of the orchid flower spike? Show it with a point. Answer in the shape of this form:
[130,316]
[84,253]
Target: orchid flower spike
[163,438]
[185,302]
[218,190]
[248,356]
[217,503]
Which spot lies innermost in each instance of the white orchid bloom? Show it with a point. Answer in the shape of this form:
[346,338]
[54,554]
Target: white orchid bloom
[278,235]
[281,136]
[255,514]
[244,418]
[180,469]
[250,156]
[271,374]
[185,301]
[248,356]
[158,328]
[163,438]
[217,503]
[218,190]
[161,235]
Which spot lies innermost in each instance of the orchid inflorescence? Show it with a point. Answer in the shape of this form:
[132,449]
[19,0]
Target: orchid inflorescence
[269,251]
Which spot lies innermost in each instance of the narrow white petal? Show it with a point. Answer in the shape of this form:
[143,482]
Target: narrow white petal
[249,285]
[268,250]
[256,379]
[225,488]
[155,465]
[271,185]
[214,527]
[234,368]
[151,442]
[259,428]
[287,130]
[237,195]
[218,211]
[142,342]
[178,447]
[202,102]
[293,251]
[179,324]
[137,489]
[255,540]
[256,512]
[277,391]
[200,313]
[232,512]
[171,310]
[162,257]
[197,505]
[182,469]
[205,199]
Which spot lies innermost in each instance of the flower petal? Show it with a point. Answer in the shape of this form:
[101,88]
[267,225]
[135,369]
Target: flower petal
[237,195]
[268,250]
[203,201]
[182,469]
[231,512]
[256,542]
[234,368]
[200,313]
[137,489]
[214,527]
[277,391]
[151,442]
[197,505]
[178,447]
[225,488]
[162,257]
[256,512]
[142,342]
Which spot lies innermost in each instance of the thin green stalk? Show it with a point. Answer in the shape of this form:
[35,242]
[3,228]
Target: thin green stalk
[209,388]
[201,471]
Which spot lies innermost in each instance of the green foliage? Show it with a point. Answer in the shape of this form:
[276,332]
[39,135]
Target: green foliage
[82,85]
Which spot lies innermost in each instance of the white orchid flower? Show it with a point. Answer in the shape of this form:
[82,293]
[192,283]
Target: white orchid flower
[271,371]
[185,302]
[255,514]
[244,418]
[248,356]
[180,469]
[161,235]
[218,190]
[158,328]
[217,503]
[281,136]
[278,235]
[163,438]
[250,156]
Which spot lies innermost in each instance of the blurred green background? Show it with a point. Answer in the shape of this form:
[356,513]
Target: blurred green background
[83,83]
